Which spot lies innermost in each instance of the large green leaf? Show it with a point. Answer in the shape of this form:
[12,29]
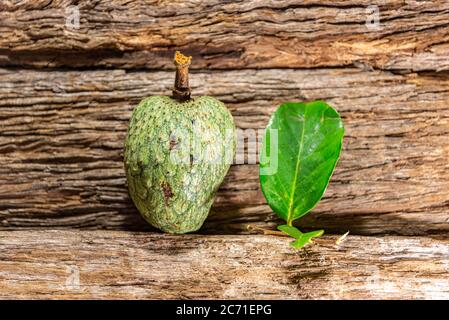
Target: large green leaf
[302,144]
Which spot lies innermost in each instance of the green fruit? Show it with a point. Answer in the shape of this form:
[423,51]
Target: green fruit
[177,152]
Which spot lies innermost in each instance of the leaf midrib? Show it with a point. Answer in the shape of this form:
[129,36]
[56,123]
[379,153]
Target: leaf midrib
[298,162]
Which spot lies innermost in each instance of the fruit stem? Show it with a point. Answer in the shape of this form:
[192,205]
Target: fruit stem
[181,91]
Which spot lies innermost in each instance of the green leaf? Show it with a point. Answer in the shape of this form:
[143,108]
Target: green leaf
[301,238]
[306,238]
[290,230]
[302,145]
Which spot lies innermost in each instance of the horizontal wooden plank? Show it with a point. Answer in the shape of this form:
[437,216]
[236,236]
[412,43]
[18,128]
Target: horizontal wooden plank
[124,265]
[61,140]
[412,35]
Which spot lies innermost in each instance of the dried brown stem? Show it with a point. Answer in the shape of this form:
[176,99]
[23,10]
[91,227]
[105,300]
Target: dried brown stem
[182,90]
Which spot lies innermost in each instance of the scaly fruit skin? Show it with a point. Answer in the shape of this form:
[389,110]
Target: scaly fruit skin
[171,183]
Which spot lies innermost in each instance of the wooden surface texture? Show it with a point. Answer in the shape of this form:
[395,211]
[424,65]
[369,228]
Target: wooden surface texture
[134,265]
[66,95]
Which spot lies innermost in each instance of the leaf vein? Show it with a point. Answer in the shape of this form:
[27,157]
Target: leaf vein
[298,162]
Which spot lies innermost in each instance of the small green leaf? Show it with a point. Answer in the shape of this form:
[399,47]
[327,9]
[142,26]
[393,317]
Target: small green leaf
[296,166]
[306,238]
[301,238]
[290,230]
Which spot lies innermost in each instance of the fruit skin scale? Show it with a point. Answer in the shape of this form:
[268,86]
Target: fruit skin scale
[176,195]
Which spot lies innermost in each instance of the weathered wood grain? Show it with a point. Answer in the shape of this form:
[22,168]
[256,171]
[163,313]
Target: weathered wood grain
[132,265]
[61,139]
[412,35]
[66,96]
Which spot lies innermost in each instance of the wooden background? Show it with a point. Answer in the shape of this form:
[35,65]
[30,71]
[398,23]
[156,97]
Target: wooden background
[66,95]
